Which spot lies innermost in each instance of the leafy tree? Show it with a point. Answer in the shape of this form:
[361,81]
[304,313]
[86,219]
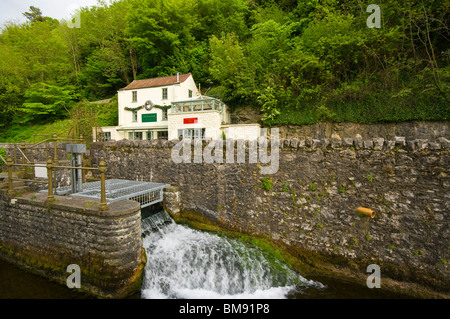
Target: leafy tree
[45,102]
[34,15]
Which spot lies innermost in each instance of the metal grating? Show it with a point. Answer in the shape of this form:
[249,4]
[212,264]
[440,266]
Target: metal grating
[146,193]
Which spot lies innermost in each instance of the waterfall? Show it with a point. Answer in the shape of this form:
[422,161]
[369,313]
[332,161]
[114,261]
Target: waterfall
[191,264]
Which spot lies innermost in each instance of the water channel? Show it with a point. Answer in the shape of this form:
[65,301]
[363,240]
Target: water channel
[190,264]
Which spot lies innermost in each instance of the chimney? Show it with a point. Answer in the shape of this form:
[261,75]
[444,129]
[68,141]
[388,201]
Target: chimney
[178,77]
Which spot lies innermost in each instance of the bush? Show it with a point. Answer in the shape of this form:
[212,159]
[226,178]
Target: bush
[266,184]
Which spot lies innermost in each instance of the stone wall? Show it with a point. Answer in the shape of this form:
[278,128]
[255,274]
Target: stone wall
[411,130]
[309,206]
[46,237]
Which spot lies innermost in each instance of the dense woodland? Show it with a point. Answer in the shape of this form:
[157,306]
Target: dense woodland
[298,62]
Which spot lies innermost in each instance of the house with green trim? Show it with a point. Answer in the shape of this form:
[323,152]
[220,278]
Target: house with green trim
[171,107]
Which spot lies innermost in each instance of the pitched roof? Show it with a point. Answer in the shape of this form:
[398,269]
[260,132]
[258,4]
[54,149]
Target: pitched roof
[166,80]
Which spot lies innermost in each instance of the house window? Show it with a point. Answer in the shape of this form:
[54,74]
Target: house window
[134,96]
[149,135]
[163,135]
[107,136]
[192,133]
[135,136]
[135,116]
[190,93]
[164,115]
[164,93]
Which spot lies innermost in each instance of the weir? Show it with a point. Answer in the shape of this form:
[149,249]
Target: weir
[191,264]
[146,193]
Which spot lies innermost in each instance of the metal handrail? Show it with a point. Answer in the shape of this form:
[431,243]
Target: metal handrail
[23,154]
[50,167]
[53,139]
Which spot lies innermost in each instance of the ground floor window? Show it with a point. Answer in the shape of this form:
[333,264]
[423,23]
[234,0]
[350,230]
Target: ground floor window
[135,136]
[191,133]
[106,136]
[163,135]
[148,135]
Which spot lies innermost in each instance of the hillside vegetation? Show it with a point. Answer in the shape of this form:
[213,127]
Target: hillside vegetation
[297,62]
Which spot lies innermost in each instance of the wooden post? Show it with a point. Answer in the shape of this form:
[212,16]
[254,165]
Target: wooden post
[50,196]
[9,163]
[102,168]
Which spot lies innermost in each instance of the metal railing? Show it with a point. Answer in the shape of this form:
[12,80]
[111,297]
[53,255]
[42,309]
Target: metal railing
[52,139]
[50,168]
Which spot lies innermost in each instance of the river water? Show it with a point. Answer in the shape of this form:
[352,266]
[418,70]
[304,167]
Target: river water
[184,263]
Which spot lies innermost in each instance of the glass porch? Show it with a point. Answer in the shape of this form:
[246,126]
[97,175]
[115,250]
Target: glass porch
[198,105]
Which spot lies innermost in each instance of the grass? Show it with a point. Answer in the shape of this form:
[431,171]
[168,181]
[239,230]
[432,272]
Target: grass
[19,133]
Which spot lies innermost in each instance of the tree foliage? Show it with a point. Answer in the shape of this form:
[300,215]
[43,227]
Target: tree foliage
[296,61]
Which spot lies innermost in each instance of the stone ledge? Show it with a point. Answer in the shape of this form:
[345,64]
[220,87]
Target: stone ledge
[77,205]
[335,142]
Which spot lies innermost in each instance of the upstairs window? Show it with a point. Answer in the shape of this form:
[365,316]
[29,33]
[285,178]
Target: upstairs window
[164,93]
[190,93]
[164,115]
[134,96]
[135,116]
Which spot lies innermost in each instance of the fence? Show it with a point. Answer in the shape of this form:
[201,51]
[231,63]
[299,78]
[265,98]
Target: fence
[50,168]
[18,150]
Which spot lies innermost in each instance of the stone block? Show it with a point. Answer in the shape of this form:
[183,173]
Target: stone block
[348,142]
[422,144]
[286,143]
[412,146]
[445,143]
[368,145]
[336,140]
[358,141]
[294,142]
[317,143]
[378,143]
[301,143]
[390,145]
[400,141]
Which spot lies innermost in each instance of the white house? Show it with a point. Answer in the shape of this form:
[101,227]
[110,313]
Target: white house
[171,107]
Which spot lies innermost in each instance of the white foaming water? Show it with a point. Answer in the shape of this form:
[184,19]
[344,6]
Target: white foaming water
[189,264]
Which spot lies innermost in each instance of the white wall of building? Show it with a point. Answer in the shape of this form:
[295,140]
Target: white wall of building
[242,131]
[175,92]
[209,120]
[112,130]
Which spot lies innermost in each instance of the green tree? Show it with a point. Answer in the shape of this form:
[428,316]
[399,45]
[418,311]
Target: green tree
[34,15]
[45,103]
